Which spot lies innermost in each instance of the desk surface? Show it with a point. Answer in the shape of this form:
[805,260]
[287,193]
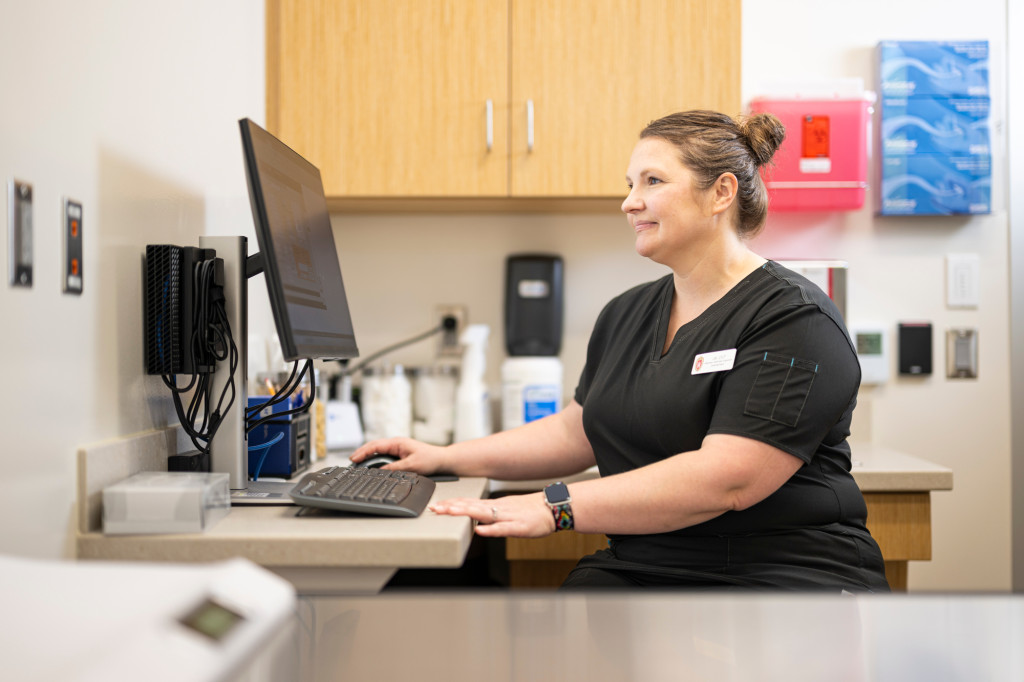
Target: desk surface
[275,536]
[319,554]
[875,469]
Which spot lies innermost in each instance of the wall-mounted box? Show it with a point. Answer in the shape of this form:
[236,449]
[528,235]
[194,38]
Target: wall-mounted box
[936,184]
[934,128]
[909,68]
[935,125]
[915,348]
[823,163]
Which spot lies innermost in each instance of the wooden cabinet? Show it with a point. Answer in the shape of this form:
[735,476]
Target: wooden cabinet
[597,72]
[388,97]
[489,98]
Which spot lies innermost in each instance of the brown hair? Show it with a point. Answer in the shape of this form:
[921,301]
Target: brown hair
[711,144]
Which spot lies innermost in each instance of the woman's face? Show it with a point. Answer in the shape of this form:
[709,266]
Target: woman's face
[666,211]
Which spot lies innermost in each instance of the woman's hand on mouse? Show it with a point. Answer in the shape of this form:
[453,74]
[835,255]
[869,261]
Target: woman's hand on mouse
[519,516]
[415,456]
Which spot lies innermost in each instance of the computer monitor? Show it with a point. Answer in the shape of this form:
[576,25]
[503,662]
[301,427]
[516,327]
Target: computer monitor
[300,263]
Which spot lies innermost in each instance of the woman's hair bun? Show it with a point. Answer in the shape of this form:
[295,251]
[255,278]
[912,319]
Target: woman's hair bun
[764,134]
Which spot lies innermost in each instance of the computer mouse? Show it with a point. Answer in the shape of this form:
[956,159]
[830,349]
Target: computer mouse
[377,460]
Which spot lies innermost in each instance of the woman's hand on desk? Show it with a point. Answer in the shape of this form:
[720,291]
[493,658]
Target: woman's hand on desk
[420,458]
[520,516]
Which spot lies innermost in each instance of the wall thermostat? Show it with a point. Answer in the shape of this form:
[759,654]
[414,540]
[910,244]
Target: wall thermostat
[872,344]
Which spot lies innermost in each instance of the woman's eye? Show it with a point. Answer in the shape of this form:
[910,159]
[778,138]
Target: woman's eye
[653,181]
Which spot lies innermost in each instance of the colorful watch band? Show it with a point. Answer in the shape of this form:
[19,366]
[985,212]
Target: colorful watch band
[558,499]
[563,516]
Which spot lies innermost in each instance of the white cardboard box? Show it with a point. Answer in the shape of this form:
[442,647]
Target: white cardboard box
[165,502]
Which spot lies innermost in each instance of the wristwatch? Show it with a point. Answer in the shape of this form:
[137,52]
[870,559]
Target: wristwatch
[557,497]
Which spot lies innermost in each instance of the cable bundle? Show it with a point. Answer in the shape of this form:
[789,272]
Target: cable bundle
[211,342]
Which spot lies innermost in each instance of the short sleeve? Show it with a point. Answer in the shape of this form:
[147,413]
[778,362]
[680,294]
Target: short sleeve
[595,350]
[793,385]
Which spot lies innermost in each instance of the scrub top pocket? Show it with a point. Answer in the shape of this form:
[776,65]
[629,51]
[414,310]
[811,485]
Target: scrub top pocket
[780,389]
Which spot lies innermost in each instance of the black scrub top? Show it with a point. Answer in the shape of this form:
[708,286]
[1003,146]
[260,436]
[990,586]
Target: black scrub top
[771,361]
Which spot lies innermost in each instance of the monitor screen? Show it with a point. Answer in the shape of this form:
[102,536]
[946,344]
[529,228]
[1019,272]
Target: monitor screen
[300,262]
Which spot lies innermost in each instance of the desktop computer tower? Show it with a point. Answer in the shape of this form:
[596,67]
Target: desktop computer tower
[288,456]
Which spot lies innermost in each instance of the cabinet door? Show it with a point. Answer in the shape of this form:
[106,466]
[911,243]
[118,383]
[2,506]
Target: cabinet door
[390,98]
[597,72]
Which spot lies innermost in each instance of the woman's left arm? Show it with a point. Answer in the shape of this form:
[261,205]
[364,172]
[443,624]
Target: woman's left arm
[727,473]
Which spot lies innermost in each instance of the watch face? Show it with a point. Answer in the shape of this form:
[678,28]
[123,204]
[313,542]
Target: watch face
[556,493]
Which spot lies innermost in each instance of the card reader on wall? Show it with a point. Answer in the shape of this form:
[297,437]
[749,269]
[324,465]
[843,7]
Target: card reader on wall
[915,348]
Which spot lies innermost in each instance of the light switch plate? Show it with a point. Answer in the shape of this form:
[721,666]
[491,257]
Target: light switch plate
[72,257]
[19,226]
[962,274]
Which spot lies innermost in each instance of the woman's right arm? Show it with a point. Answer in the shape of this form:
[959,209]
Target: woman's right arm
[551,447]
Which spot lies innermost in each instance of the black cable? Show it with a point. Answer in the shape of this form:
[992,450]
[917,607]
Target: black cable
[280,396]
[308,367]
[211,342]
[358,367]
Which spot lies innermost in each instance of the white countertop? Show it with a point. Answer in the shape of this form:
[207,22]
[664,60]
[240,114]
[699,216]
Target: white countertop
[877,468]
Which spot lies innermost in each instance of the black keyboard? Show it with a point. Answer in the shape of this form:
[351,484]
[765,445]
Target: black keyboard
[366,491]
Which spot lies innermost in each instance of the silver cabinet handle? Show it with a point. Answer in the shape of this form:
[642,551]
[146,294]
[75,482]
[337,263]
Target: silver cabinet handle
[529,125]
[490,125]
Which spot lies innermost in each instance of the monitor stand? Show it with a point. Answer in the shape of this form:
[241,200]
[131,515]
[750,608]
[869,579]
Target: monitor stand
[229,449]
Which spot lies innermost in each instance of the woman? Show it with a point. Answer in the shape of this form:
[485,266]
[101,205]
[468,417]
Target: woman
[716,402]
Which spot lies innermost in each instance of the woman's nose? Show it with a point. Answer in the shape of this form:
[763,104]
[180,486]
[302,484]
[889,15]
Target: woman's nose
[631,202]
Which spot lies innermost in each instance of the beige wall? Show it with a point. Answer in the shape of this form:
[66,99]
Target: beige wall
[131,108]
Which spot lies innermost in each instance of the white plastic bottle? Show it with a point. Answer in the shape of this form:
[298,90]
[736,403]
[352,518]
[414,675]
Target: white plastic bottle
[531,389]
[472,403]
[344,429]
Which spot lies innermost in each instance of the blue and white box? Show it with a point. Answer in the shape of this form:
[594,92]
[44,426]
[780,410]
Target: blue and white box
[935,125]
[911,68]
[936,184]
[935,135]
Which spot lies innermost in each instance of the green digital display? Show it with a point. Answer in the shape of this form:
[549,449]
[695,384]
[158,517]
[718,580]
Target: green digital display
[212,619]
[869,343]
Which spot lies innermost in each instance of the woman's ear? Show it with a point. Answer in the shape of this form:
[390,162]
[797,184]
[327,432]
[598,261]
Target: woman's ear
[723,192]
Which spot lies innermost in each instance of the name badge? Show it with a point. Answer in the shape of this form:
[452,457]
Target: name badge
[716,361]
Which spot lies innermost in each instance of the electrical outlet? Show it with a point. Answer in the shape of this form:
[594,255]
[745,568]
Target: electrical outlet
[449,344]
